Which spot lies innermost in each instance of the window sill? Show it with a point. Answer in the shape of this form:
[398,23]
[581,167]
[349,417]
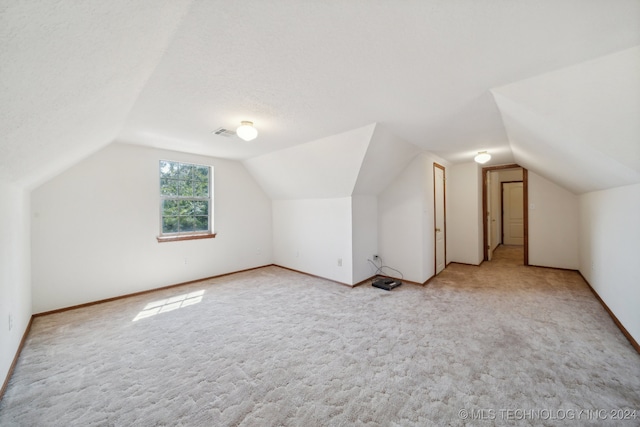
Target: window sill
[162,239]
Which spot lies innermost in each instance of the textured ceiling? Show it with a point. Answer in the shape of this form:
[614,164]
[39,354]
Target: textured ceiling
[165,73]
[313,170]
[578,126]
[361,161]
[70,72]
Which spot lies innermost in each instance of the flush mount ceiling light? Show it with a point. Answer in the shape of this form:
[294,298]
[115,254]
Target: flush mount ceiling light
[482,157]
[246,131]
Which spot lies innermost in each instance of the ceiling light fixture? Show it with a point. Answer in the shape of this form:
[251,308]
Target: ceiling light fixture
[246,131]
[482,157]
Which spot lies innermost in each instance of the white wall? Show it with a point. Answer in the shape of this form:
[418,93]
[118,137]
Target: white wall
[405,215]
[464,220]
[401,207]
[553,224]
[365,235]
[15,290]
[609,250]
[310,235]
[94,229]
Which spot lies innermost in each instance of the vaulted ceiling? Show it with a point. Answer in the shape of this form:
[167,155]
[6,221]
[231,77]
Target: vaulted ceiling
[579,125]
[540,83]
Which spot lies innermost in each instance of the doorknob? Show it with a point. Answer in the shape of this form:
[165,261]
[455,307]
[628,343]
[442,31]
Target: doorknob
[437,230]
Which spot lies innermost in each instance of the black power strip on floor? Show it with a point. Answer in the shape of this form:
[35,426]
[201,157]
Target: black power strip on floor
[386,284]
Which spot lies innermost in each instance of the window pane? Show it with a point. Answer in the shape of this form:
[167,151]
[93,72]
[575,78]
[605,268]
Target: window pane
[187,223]
[168,187]
[168,169]
[201,173]
[179,185]
[201,188]
[201,208]
[186,189]
[180,181]
[202,223]
[170,224]
[186,207]
[186,171]
[170,208]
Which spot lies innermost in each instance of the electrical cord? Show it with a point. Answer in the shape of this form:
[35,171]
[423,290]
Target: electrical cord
[379,268]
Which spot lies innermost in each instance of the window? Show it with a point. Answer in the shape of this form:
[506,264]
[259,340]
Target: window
[185,201]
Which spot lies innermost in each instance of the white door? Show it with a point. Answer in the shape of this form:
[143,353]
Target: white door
[489,215]
[513,215]
[439,216]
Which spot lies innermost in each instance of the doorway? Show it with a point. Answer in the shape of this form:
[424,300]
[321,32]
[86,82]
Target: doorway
[439,217]
[494,225]
[493,200]
[512,213]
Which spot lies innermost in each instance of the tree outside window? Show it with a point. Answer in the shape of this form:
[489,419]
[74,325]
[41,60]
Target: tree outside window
[185,198]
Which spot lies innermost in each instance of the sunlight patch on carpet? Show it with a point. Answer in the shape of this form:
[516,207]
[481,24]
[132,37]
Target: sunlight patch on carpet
[169,304]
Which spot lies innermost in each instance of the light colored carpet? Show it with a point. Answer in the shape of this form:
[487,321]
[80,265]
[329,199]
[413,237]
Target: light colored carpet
[273,347]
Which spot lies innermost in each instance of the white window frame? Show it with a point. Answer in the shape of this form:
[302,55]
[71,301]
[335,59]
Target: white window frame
[185,235]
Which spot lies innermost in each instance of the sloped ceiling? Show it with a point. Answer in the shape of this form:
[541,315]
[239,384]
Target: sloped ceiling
[580,125]
[386,156]
[70,73]
[362,161]
[325,168]
[165,73]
